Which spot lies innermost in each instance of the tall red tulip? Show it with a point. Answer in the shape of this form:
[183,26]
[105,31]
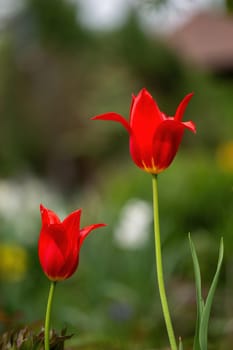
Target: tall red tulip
[154,137]
[60,243]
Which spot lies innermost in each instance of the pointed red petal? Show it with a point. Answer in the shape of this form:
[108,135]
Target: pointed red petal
[70,266]
[182,106]
[135,151]
[190,126]
[166,143]
[48,217]
[144,120]
[132,103]
[71,226]
[84,232]
[50,251]
[115,117]
[72,222]
[144,110]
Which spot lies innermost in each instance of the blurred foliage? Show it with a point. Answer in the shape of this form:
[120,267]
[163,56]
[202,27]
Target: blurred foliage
[229,6]
[157,66]
[55,23]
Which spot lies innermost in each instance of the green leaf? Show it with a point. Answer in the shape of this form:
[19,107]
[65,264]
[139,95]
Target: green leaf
[200,302]
[203,330]
[180,344]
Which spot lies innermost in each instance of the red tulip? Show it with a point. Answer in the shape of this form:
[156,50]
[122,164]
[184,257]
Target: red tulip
[60,243]
[154,137]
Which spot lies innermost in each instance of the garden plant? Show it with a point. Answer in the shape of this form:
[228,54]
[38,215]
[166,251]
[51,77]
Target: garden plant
[154,139]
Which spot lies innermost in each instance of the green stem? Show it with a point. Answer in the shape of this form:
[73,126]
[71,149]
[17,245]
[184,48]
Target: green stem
[48,314]
[159,265]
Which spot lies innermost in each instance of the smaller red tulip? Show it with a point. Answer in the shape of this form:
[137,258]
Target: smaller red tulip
[60,243]
[154,137]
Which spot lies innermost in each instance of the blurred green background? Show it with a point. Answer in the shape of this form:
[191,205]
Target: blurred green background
[56,73]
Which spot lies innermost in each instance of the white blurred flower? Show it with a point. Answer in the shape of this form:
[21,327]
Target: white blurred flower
[19,206]
[132,230]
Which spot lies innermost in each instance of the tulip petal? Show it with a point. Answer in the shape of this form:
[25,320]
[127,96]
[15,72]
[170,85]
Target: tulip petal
[115,117]
[50,254]
[84,232]
[145,117]
[132,103]
[166,143]
[135,151]
[144,110]
[70,266]
[71,223]
[182,106]
[48,217]
[59,236]
[190,126]
[71,226]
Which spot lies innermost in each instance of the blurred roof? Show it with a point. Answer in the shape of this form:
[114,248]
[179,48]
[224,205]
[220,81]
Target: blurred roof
[206,40]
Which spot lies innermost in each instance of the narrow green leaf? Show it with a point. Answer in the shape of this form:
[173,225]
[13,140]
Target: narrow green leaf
[203,332]
[200,302]
[180,344]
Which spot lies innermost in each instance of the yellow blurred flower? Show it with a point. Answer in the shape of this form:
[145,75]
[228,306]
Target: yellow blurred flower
[13,262]
[225,156]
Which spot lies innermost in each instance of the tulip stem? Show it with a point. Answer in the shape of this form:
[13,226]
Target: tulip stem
[159,265]
[48,314]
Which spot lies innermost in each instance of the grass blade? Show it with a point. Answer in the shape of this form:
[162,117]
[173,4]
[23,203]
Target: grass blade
[203,331]
[200,302]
